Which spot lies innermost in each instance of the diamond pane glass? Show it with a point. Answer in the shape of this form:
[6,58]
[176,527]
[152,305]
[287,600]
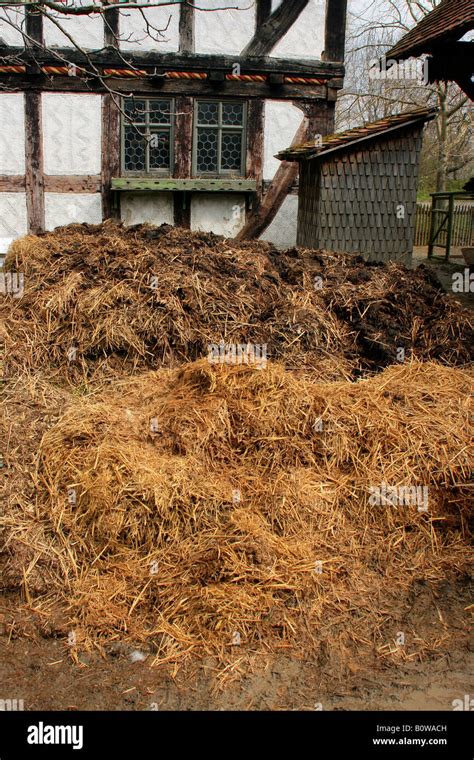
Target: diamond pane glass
[208,113]
[231,150]
[207,150]
[135,110]
[159,149]
[160,111]
[134,149]
[232,113]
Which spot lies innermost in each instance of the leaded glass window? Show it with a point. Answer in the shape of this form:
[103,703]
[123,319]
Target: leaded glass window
[219,137]
[147,134]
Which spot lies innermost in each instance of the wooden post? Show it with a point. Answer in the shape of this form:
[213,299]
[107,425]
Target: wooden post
[112,27]
[256,122]
[33,26]
[183,138]
[34,173]
[183,158]
[255,146]
[34,177]
[186,27]
[110,148]
[335,30]
[320,115]
[450,226]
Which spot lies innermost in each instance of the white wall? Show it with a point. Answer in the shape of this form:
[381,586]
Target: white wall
[12,15]
[12,133]
[281,122]
[64,208]
[305,39]
[224,31]
[154,208]
[71,133]
[215,212]
[86,31]
[282,231]
[163,34]
[13,220]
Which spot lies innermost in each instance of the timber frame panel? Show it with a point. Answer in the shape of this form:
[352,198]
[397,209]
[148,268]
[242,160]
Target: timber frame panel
[312,85]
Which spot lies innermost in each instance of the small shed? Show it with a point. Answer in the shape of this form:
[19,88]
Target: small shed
[358,188]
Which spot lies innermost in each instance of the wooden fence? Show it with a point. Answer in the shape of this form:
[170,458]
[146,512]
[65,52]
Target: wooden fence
[463,224]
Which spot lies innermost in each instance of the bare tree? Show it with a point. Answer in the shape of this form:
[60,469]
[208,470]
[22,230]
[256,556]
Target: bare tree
[371,93]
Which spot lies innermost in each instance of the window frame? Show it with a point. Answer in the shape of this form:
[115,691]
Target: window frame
[147,172]
[220,128]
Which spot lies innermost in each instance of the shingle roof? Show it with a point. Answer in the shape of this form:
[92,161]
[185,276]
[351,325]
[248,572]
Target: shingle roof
[366,132]
[448,22]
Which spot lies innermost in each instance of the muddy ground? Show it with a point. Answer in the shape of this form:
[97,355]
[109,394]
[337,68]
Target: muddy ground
[41,672]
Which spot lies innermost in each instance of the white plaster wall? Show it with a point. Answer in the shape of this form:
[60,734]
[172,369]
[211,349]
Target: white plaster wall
[154,208]
[64,208]
[282,231]
[86,31]
[213,212]
[224,31]
[281,122]
[305,39]
[12,133]
[71,133]
[11,35]
[13,219]
[163,35]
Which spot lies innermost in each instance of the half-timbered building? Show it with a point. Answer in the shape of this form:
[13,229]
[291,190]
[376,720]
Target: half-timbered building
[171,113]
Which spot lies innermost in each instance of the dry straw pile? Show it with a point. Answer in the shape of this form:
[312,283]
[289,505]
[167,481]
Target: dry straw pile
[99,300]
[198,508]
[212,509]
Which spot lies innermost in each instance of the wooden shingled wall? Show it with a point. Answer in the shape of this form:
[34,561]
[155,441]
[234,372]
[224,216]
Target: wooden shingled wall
[363,199]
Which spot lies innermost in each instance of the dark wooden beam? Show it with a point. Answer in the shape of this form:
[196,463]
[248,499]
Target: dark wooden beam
[34,181]
[110,153]
[170,87]
[274,28]
[186,27]
[335,30]
[183,145]
[10,183]
[63,183]
[152,60]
